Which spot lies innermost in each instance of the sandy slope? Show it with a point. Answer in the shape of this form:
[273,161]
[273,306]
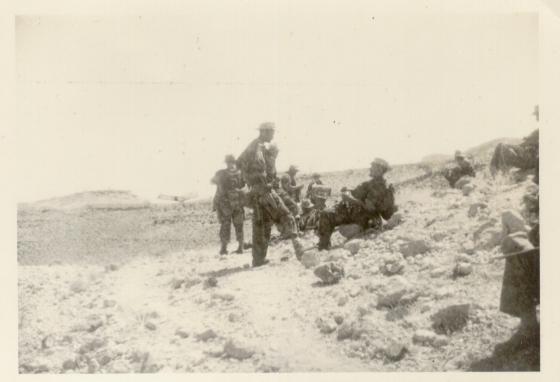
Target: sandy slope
[153,313]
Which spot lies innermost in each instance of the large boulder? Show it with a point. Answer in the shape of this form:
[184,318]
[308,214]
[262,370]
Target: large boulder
[468,188]
[234,349]
[394,220]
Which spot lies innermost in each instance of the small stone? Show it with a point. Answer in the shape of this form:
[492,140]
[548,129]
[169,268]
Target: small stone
[339,319]
[69,364]
[206,335]
[325,326]
[396,351]
[451,318]
[182,333]
[463,269]
[462,182]
[438,272]
[440,341]
[424,337]
[475,208]
[342,300]
[150,325]
[109,303]
[439,236]
[92,345]
[234,317]
[354,245]
[350,230]
[310,259]
[329,273]
[177,283]
[355,291]
[345,331]
[414,247]
[211,282]
[468,188]
[111,267]
[393,292]
[234,350]
[223,296]
[78,286]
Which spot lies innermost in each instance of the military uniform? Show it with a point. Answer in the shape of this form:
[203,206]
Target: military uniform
[228,203]
[375,193]
[310,187]
[258,166]
[462,168]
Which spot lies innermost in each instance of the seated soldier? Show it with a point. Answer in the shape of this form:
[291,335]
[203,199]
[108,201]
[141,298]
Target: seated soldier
[289,184]
[315,180]
[365,205]
[319,195]
[462,168]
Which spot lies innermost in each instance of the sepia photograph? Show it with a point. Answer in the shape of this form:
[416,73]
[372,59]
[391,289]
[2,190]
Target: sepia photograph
[277,188]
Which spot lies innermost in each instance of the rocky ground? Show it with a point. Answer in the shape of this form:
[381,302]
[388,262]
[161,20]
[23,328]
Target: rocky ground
[422,295]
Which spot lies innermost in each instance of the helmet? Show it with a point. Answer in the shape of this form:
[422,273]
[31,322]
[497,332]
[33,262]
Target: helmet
[230,159]
[315,175]
[459,154]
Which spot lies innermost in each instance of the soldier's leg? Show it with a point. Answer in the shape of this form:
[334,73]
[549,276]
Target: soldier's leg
[261,235]
[238,218]
[289,227]
[224,217]
[325,228]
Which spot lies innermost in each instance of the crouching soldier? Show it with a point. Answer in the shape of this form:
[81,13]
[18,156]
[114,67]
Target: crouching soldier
[365,205]
[228,203]
[462,168]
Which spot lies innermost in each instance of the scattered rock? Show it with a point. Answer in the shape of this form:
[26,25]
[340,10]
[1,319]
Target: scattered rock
[462,269]
[234,350]
[78,286]
[326,326]
[451,318]
[489,238]
[342,301]
[234,317]
[394,220]
[397,290]
[150,325]
[463,181]
[354,245]
[210,282]
[176,283]
[47,342]
[395,351]
[440,341]
[512,222]
[337,255]
[438,272]
[350,230]
[414,247]
[392,268]
[355,291]
[93,323]
[475,208]
[206,335]
[181,333]
[92,345]
[111,267]
[223,296]
[468,248]
[69,364]
[349,330]
[424,337]
[439,236]
[467,189]
[109,303]
[310,259]
[329,273]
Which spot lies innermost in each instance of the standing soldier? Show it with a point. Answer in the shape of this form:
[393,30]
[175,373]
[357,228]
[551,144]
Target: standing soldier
[228,203]
[365,205]
[258,166]
[292,187]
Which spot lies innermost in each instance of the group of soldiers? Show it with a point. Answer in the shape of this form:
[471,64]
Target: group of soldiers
[279,201]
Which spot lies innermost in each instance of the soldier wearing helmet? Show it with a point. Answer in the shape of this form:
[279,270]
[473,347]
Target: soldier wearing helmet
[315,180]
[228,203]
[365,205]
[289,184]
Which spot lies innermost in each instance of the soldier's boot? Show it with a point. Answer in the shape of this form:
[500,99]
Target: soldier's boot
[223,249]
[528,334]
[240,247]
[298,247]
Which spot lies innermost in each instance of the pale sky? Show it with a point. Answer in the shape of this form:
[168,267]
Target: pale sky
[152,103]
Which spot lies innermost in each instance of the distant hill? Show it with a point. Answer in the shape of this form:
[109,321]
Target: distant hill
[484,151]
[103,199]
